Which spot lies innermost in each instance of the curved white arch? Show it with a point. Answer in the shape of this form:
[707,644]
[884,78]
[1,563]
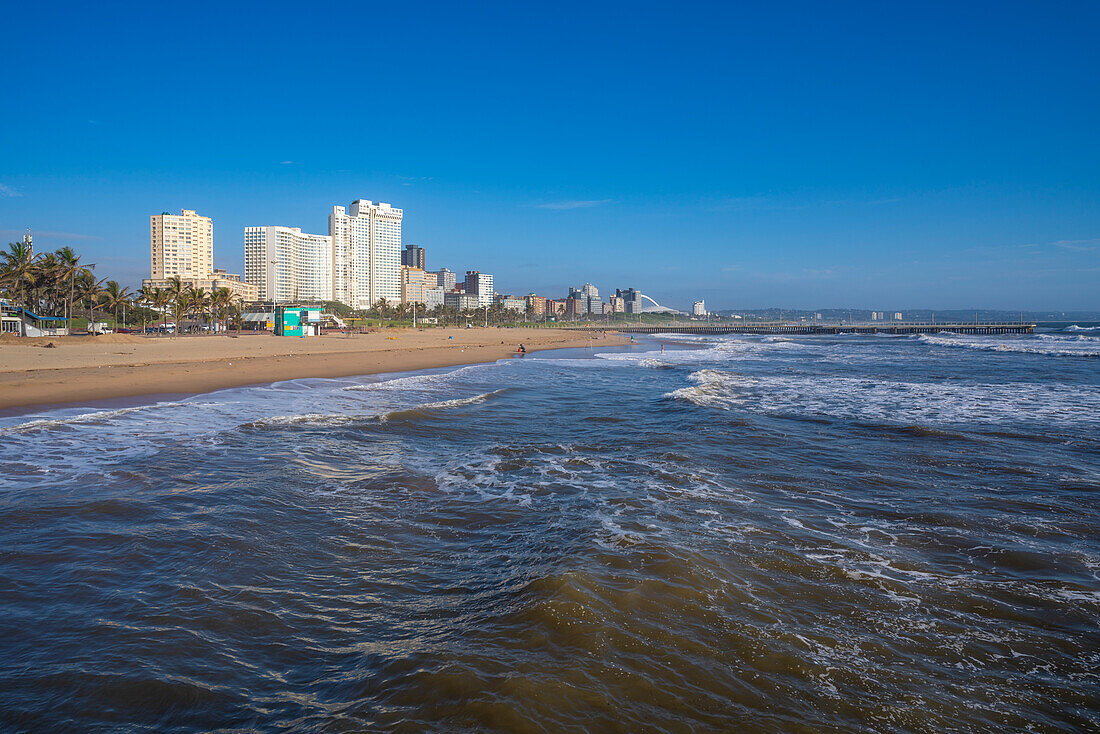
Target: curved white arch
[656,306]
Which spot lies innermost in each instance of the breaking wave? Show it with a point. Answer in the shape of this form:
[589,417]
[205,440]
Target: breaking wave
[1046,344]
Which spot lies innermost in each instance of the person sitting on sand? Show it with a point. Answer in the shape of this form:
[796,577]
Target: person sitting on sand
[522,349]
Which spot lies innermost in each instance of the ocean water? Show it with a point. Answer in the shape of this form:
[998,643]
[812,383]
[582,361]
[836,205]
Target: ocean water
[838,534]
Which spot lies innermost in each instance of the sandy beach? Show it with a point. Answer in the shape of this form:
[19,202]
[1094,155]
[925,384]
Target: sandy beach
[83,369]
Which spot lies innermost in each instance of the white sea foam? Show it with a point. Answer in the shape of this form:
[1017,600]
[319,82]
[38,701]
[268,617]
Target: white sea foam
[1046,344]
[98,416]
[891,401]
[420,381]
[1075,327]
[459,402]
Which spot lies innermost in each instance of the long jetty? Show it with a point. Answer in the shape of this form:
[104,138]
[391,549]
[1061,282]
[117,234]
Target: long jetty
[788,328]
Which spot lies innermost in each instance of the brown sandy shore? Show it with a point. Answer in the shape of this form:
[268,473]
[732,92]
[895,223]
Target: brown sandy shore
[85,368]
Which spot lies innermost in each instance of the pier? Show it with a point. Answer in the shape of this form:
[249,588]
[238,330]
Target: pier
[788,328]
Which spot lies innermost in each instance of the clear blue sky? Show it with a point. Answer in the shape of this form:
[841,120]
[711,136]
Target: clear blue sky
[796,154]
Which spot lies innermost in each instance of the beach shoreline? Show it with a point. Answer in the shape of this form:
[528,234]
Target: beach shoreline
[80,370]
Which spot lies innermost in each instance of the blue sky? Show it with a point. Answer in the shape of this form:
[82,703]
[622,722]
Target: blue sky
[875,155]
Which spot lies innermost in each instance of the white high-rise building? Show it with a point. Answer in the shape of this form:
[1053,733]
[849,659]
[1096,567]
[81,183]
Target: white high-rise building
[366,253]
[287,264]
[699,308]
[481,285]
[446,279]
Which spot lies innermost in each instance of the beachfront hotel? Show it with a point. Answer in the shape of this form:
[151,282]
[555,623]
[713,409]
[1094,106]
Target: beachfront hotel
[287,264]
[183,246]
[366,253]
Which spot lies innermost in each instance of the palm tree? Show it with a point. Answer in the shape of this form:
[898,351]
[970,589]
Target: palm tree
[220,300]
[114,296]
[68,270]
[147,296]
[88,292]
[161,300]
[18,268]
[233,306]
[177,299]
[381,305]
[197,304]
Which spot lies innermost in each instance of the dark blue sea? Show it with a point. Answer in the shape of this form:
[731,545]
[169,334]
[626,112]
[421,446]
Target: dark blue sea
[727,534]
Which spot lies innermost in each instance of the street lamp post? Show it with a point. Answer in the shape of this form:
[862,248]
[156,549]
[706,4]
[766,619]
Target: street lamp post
[274,299]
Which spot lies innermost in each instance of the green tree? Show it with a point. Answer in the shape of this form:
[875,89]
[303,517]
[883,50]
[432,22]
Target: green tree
[18,271]
[114,297]
[68,271]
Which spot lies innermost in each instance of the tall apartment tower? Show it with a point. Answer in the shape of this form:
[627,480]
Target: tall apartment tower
[366,253]
[287,264]
[181,245]
[413,257]
[481,285]
[446,279]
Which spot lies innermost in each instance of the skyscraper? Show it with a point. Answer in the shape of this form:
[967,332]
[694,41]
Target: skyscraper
[413,257]
[366,253]
[286,264]
[481,285]
[446,279]
[181,245]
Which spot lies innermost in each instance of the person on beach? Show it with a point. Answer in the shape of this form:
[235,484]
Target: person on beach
[522,349]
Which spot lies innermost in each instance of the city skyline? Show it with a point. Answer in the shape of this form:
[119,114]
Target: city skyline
[940,157]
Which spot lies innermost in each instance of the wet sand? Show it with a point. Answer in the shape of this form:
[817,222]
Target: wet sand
[82,369]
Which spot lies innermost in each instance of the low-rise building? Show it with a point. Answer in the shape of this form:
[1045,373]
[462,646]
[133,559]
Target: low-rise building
[461,301]
[242,291]
[511,303]
[433,297]
[556,308]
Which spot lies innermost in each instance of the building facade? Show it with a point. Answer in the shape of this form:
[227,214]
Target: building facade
[413,257]
[481,285]
[181,245]
[287,264]
[415,284]
[537,304]
[445,279]
[433,297]
[632,300]
[366,253]
[511,303]
[217,280]
[461,301]
[699,308]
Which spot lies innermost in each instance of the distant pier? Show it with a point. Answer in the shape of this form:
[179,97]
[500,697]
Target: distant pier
[782,328]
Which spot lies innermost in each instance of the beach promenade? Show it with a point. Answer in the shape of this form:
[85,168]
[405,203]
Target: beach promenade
[82,369]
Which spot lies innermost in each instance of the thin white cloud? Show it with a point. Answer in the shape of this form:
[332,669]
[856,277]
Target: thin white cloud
[573,204]
[1078,245]
[285,163]
[9,191]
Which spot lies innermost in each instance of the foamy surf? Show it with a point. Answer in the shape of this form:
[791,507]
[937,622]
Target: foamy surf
[1043,344]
